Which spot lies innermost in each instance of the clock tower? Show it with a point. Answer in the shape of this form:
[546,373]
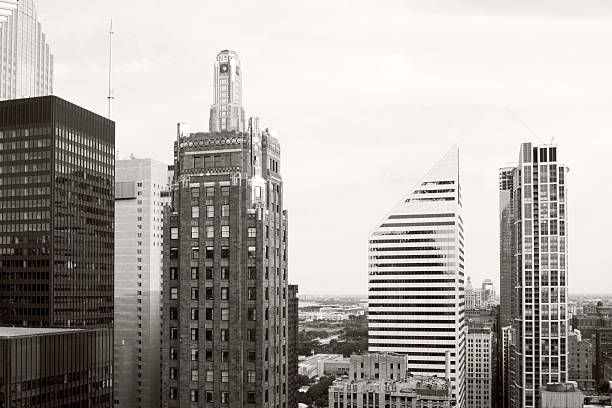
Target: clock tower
[226,113]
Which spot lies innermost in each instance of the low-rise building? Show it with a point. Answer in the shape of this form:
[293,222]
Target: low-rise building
[319,365]
[580,367]
[373,366]
[412,392]
[561,395]
[55,367]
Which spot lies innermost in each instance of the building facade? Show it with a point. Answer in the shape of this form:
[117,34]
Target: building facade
[539,248]
[413,392]
[374,366]
[480,368]
[225,292]
[560,395]
[580,367]
[470,296]
[293,328]
[141,193]
[26,64]
[416,278]
[504,365]
[507,244]
[45,367]
[487,294]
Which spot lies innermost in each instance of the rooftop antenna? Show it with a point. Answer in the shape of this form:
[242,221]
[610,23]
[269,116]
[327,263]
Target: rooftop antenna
[110,69]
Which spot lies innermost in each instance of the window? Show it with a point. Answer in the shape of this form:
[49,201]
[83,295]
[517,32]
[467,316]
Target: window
[224,293]
[251,272]
[209,313]
[173,273]
[209,397]
[209,355]
[224,252]
[250,397]
[195,314]
[210,191]
[195,252]
[194,293]
[173,393]
[195,233]
[173,313]
[225,190]
[174,293]
[194,334]
[194,375]
[209,294]
[225,231]
[210,376]
[195,273]
[173,253]
[210,211]
[173,373]
[173,333]
[252,293]
[210,231]
[252,232]
[210,251]
[224,314]
[195,211]
[194,354]
[173,353]
[209,335]
[224,272]
[224,397]
[251,356]
[209,271]
[250,334]
[224,376]
[225,210]
[252,314]
[224,335]
[195,192]
[174,233]
[224,355]
[252,250]
[251,376]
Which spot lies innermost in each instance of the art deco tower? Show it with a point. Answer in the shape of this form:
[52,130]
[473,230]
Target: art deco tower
[26,64]
[227,114]
[538,248]
[226,302]
[416,283]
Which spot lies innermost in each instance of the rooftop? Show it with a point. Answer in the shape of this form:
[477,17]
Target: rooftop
[9,332]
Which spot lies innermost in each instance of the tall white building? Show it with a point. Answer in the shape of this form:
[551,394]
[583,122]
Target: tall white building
[26,64]
[416,277]
[540,319]
[227,113]
[141,194]
[479,373]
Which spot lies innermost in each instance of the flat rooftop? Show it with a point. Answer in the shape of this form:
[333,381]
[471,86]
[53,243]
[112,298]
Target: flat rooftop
[8,332]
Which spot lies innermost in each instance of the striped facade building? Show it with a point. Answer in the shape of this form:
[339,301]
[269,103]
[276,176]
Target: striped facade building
[416,278]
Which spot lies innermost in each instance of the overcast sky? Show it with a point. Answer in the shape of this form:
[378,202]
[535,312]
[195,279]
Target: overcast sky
[366,97]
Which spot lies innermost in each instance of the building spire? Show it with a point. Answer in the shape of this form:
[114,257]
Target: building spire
[110,96]
[227,113]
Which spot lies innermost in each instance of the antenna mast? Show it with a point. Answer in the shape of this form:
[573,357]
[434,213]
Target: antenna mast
[110,69]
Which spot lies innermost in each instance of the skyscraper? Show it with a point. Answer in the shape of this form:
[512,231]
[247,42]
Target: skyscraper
[56,223]
[538,246]
[141,193]
[416,277]
[26,64]
[225,294]
[480,365]
[507,263]
[487,294]
[227,113]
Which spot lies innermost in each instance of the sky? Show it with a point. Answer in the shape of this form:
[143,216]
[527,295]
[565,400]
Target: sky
[366,97]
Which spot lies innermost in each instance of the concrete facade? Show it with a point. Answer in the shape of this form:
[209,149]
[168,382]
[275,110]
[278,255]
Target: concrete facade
[480,368]
[580,366]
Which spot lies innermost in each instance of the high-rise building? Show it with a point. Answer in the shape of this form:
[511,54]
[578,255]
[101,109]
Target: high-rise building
[507,262]
[225,293]
[487,291]
[26,64]
[539,248]
[580,366]
[470,296]
[505,356]
[141,192]
[227,113]
[480,367]
[56,222]
[55,368]
[416,277]
[293,305]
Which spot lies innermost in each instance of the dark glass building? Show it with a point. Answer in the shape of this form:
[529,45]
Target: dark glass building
[293,336]
[55,367]
[56,254]
[56,215]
